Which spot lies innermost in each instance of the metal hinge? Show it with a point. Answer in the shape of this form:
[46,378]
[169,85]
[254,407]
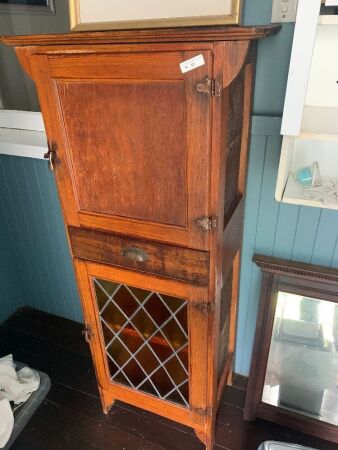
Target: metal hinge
[206,308]
[205,412]
[212,87]
[207,223]
[87,333]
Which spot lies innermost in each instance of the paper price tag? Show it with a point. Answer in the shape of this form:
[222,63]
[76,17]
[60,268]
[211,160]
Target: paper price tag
[192,63]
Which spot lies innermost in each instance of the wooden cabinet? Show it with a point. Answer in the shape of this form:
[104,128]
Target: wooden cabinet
[150,164]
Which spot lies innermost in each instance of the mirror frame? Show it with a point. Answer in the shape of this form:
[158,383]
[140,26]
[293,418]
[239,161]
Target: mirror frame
[296,278]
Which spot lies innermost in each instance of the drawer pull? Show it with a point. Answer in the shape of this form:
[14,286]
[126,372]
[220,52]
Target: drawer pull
[134,254]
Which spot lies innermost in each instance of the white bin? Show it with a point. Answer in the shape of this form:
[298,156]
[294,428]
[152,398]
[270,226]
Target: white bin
[274,445]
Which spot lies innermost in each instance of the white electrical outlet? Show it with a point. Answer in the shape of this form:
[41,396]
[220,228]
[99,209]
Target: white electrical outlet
[284,11]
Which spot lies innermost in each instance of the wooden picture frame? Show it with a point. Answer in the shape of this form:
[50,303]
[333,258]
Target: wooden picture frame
[82,17]
[307,280]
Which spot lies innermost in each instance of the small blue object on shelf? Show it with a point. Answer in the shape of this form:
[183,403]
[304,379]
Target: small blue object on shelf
[308,176]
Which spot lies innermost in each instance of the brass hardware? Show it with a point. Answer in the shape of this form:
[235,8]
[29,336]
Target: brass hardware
[51,155]
[134,254]
[217,88]
[210,87]
[205,412]
[87,333]
[207,223]
[206,308]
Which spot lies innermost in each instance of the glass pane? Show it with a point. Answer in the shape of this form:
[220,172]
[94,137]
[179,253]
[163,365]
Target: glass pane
[302,370]
[146,339]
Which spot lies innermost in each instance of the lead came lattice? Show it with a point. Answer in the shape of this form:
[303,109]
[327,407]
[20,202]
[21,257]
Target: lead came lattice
[146,339]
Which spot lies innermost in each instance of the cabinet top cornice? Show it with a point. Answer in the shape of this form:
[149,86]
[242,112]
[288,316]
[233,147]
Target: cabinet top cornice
[193,34]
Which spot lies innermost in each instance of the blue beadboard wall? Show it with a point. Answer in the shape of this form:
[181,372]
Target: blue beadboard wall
[11,296]
[40,256]
[276,229]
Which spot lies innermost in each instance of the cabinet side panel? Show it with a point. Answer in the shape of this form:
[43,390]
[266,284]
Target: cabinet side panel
[233,154]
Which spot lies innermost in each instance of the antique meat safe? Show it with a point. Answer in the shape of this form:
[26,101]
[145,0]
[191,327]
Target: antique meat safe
[148,139]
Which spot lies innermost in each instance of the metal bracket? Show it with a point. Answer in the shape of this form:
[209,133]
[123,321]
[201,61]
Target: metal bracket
[207,223]
[210,87]
[51,155]
[87,333]
[206,308]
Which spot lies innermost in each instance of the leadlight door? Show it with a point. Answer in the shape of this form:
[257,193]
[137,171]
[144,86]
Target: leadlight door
[151,334]
[130,136]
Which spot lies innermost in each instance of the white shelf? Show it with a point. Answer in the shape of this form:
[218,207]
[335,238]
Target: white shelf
[319,123]
[27,143]
[328,19]
[293,194]
[310,117]
[22,134]
[22,120]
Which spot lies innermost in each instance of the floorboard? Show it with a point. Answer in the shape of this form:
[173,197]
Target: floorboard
[70,418]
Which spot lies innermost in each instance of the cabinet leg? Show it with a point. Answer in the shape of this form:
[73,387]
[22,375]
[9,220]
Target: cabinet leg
[210,433]
[207,436]
[200,434]
[229,377]
[107,400]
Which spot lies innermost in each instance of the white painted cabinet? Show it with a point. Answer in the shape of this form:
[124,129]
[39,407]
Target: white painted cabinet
[310,117]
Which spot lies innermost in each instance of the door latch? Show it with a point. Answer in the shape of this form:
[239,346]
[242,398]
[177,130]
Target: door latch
[51,156]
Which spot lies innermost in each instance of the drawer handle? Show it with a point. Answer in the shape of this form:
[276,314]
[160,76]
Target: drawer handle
[134,254]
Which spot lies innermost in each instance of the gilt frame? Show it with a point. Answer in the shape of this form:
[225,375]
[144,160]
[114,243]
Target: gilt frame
[77,25]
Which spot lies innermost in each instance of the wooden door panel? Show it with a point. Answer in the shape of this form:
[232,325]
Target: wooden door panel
[133,142]
[127,144]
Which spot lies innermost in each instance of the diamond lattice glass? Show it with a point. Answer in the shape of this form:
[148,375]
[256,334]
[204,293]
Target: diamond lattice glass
[146,339]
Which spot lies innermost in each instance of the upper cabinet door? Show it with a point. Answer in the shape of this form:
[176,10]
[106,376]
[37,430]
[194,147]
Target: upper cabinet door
[132,137]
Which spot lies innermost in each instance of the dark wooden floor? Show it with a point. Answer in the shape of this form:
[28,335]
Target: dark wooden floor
[71,416]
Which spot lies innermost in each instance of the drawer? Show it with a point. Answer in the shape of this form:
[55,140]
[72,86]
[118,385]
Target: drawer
[160,259]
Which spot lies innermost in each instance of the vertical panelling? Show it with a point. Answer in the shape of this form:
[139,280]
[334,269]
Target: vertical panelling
[10,277]
[305,234]
[253,196]
[38,237]
[326,238]
[288,231]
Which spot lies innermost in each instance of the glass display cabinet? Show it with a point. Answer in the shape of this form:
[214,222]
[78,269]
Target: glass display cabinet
[294,370]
